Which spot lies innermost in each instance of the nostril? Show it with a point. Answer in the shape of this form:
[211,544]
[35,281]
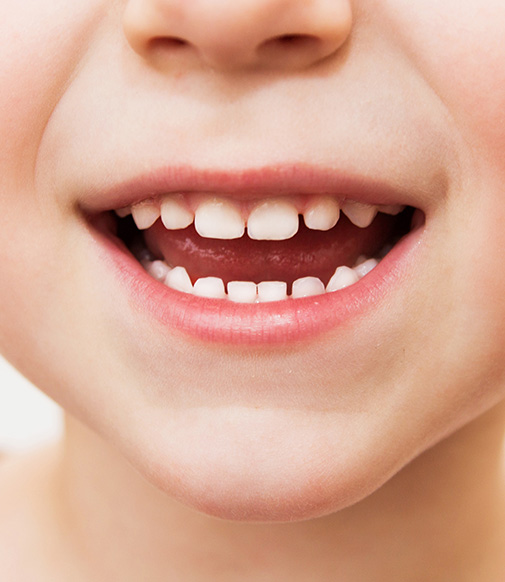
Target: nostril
[291,50]
[294,39]
[167,42]
[290,41]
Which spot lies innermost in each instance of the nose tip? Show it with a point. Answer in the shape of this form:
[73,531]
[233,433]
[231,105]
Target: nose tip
[238,34]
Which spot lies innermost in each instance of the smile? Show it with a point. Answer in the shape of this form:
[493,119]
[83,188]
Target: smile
[246,268]
[267,253]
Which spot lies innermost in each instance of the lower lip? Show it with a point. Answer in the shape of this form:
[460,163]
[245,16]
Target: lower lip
[291,320]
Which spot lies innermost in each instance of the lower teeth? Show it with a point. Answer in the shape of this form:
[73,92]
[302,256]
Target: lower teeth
[249,292]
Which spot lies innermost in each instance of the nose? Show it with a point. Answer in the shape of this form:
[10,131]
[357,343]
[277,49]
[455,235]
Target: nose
[237,34]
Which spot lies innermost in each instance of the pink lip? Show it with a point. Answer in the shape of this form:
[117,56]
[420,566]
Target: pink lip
[264,181]
[258,324]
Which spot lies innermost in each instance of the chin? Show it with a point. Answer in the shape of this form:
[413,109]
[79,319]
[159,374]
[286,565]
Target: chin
[259,466]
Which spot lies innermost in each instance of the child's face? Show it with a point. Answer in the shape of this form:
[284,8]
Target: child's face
[319,400]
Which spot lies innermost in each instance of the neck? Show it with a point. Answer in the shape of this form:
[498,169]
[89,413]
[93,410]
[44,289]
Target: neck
[442,512]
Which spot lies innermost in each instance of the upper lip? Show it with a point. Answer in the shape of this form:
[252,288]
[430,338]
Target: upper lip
[250,182]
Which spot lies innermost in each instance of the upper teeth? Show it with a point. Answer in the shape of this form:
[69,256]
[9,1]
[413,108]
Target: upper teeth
[322,213]
[217,218]
[361,215]
[173,214]
[273,220]
[266,219]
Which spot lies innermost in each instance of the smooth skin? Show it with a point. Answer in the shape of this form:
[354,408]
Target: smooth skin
[371,453]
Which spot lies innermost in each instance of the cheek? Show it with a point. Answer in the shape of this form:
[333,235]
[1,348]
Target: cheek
[487,282]
[459,48]
[40,45]
[29,251]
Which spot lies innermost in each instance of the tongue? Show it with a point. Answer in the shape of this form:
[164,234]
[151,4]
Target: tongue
[309,252]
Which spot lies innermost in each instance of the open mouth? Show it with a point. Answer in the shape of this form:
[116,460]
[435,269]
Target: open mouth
[259,250]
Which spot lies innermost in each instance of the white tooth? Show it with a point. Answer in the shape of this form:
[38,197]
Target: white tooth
[158,269]
[145,214]
[273,220]
[174,214]
[212,287]
[322,213]
[217,218]
[392,209]
[179,280]
[122,212]
[361,215]
[343,277]
[272,291]
[364,268]
[242,291]
[307,286]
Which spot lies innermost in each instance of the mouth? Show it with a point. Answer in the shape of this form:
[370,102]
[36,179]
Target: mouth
[250,265]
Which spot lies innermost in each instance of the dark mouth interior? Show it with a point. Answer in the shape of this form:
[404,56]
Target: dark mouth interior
[308,253]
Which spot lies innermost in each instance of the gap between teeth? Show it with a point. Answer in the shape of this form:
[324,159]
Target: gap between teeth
[275,218]
[249,292]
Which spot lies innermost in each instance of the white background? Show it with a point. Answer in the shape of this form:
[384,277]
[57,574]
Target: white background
[27,417]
